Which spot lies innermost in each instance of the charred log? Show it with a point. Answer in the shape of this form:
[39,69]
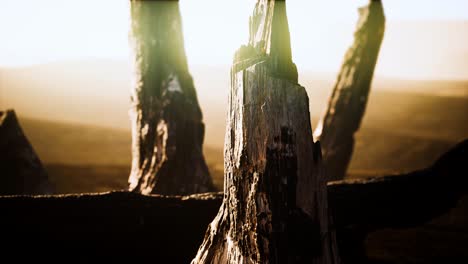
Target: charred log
[108,226]
[170,229]
[168,131]
[275,207]
[404,200]
[399,201]
[21,171]
[348,101]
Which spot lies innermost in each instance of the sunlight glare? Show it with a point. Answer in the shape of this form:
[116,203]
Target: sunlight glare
[36,32]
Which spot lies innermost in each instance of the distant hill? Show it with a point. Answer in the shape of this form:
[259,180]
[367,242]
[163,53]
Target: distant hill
[84,158]
[75,144]
[96,92]
[76,116]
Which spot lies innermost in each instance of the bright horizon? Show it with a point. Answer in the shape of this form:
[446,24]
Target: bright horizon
[416,45]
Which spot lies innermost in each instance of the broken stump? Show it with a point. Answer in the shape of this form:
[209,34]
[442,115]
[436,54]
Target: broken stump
[21,171]
[275,207]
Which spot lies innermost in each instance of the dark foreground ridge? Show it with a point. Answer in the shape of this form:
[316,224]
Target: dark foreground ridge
[169,229]
[112,225]
[398,201]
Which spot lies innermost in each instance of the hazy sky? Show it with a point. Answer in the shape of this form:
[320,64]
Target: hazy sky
[36,31]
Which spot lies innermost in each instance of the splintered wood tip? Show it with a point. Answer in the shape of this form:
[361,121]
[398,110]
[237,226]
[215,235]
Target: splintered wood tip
[269,30]
[269,35]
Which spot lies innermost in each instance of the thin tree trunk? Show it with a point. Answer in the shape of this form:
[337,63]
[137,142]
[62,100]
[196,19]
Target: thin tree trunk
[168,131]
[348,101]
[275,205]
[21,171]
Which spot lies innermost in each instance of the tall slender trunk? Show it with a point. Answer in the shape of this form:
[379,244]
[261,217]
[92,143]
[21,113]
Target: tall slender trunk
[168,131]
[348,101]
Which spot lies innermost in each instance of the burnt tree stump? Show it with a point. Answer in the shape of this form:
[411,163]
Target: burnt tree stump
[348,100]
[275,207]
[21,171]
[168,131]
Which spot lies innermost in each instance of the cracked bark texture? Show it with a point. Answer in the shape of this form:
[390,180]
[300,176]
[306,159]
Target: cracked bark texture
[348,101]
[167,127]
[275,206]
[21,171]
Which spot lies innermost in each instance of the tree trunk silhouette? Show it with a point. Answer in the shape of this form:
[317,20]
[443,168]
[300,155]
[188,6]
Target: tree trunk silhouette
[168,131]
[21,170]
[348,101]
[275,207]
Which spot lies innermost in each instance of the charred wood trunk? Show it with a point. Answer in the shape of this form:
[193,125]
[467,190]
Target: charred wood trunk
[21,171]
[348,101]
[275,206]
[168,131]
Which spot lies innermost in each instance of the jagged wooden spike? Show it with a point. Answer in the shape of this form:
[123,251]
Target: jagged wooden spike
[348,101]
[21,171]
[275,205]
[167,122]
[270,38]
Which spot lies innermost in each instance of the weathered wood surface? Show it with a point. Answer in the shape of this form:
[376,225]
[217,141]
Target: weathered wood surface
[21,171]
[275,207]
[168,131]
[348,100]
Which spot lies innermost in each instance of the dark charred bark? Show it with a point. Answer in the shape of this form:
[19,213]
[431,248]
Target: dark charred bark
[399,201]
[168,131]
[21,171]
[403,200]
[128,225]
[348,101]
[108,226]
[275,207]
